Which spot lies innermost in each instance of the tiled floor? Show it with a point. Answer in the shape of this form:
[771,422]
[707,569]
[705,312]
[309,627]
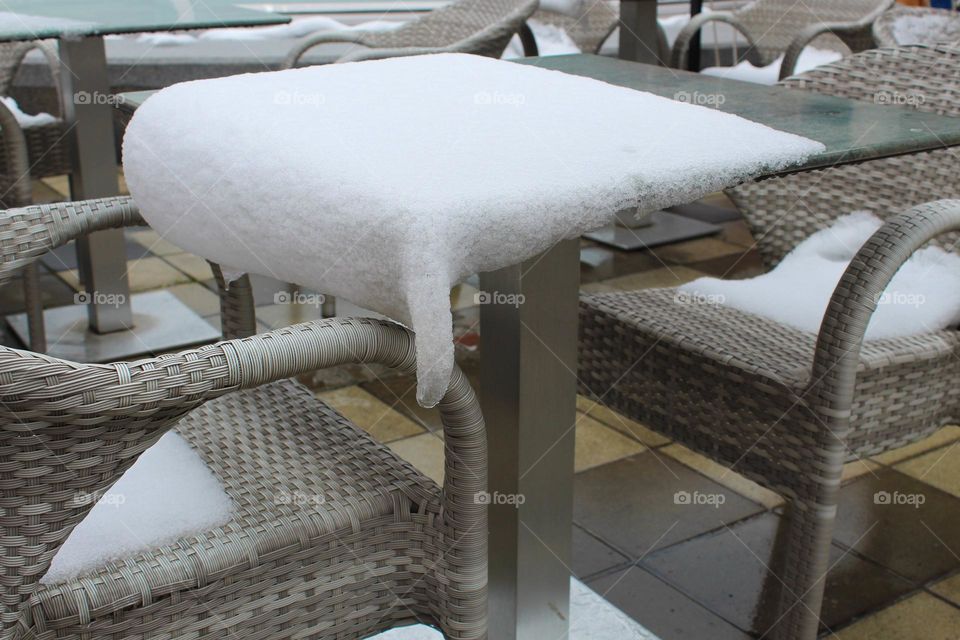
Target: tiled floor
[683,571]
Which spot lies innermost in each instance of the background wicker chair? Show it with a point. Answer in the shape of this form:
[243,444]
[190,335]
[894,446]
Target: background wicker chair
[885,35]
[784,27]
[29,152]
[781,406]
[482,27]
[592,28]
[383,546]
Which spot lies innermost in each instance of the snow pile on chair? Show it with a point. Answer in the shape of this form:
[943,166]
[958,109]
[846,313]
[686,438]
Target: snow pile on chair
[926,28]
[924,295]
[168,494]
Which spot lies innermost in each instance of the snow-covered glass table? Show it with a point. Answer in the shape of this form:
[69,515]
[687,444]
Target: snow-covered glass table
[118,327]
[528,363]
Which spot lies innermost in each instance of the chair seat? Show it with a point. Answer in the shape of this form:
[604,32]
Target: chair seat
[680,364]
[325,519]
[47,151]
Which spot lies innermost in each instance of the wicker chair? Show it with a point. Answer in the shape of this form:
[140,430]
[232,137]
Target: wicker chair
[29,152]
[482,27]
[592,28]
[384,546]
[781,406]
[785,27]
[885,36]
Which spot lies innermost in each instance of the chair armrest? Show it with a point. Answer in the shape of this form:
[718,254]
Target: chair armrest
[29,232]
[855,299]
[18,161]
[15,59]
[327,37]
[681,45]
[528,41]
[808,35]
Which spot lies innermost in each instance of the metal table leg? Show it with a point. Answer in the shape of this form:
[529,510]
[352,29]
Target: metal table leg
[108,329]
[87,109]
[528,394]
[638,31]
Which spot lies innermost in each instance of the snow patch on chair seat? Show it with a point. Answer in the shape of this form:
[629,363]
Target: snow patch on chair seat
[926,28]
[168,494]
[26,119]
[810,58]
[924,296]
[387,182]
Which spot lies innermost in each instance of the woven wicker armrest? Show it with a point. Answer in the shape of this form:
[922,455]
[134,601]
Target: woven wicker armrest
[681,45]
[12,55]
[17,157]
[27,233]
[856,297]
[855,34]
[326,37]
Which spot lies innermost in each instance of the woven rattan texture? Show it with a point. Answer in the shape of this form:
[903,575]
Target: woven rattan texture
[783,407]
[332,537]
[481,27]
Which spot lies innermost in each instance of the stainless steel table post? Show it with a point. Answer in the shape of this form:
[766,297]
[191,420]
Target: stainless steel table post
[528,394]
[88,112]
[638,30]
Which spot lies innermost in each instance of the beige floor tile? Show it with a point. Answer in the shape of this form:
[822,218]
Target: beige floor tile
[197,297]
[44,193]
[720,474]
[940,467]
[60,184]
[194,266]
[920,617]
[369,413]
[284,315]
[598,444]
[463,296]
[940,438]
[949,589]
[154,243]
[663,277]
[619,422]
[425,452]
[858,468]
[697,250]
[145,274]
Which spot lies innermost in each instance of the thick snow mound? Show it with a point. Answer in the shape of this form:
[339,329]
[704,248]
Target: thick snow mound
[386,182]
[924,296]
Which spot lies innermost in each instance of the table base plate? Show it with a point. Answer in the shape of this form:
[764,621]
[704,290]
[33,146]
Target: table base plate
[161,323]
[665,228]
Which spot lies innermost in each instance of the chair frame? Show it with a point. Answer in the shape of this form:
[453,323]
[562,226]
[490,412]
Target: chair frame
[408,40]
[790,417]
[69,426]
[854,31]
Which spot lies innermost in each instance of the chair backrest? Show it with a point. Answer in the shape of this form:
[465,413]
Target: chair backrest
[781,212]
[484,26]
[773,24]
[916,25]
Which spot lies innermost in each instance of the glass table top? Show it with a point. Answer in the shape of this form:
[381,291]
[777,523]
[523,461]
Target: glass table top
[32,19]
